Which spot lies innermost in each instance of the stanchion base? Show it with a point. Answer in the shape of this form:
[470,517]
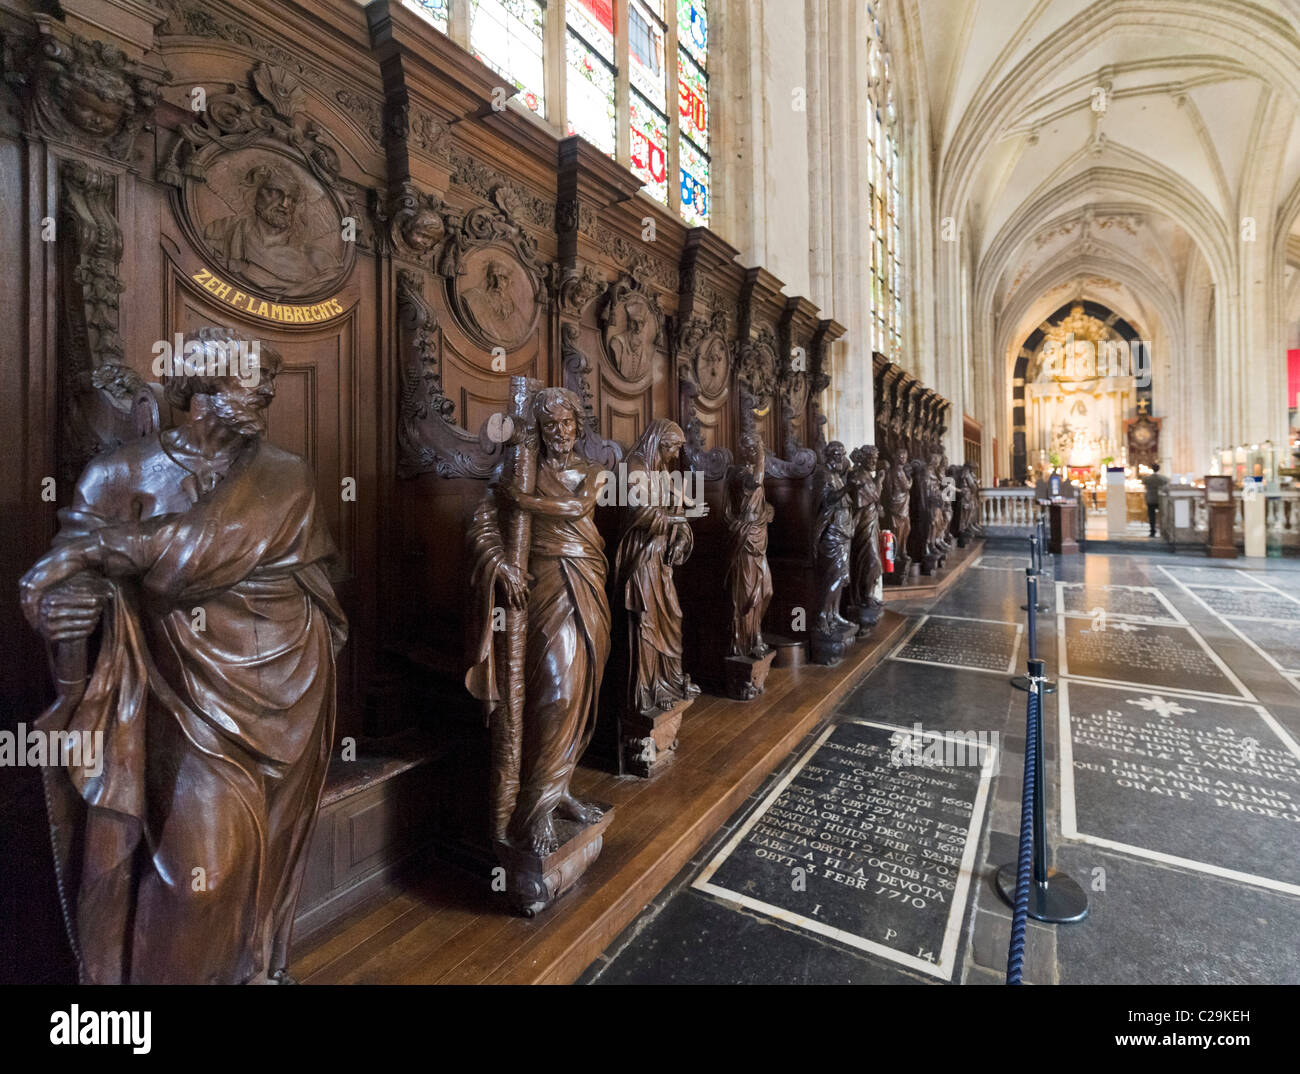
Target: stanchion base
[1021,682]
[1058,902]
[1037,608]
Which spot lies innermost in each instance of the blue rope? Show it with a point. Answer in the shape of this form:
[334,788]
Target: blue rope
[1024,864]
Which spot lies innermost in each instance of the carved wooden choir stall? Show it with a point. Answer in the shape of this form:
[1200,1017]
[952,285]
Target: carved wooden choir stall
[548,478]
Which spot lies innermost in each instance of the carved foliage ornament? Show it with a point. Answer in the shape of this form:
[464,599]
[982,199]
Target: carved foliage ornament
[102,402]
[577,372]
[258,189]
[79,91]
[427,438]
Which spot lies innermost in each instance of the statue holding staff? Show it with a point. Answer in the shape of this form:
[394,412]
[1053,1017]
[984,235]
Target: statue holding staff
[534,539]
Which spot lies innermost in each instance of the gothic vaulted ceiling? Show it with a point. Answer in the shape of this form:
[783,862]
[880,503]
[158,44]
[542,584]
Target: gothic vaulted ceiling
[1111,149]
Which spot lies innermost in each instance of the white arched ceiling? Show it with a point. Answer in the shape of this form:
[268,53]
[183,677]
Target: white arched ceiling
[1198,136]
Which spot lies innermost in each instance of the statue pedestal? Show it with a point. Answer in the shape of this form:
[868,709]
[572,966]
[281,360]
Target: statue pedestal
[746,675]
[866,616]
[790,652]
[829,649]
[534,882]
[650,742]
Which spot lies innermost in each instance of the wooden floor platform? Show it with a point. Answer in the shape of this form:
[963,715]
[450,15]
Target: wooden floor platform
[441,926]
[935,585]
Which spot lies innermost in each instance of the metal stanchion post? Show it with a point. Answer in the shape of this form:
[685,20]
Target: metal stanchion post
[1036,566]
[1024,682]
[1053,896]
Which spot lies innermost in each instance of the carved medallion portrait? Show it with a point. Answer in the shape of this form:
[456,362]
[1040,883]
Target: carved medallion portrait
[496,296]
[712,366]
[268,222]
[631,330]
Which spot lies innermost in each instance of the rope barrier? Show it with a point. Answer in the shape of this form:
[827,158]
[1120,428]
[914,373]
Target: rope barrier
[1024,864]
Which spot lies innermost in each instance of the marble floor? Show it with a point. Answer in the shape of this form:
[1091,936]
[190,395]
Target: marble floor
[1172,754]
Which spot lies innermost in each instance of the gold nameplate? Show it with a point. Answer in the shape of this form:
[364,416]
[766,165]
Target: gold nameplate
[267,311]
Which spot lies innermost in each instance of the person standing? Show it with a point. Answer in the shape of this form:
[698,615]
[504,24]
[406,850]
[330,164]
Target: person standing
[1154,482]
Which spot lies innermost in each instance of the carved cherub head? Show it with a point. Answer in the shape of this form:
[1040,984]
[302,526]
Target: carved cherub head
[423,230]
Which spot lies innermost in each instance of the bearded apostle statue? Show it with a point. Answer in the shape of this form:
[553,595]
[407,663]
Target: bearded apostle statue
[199,557]
[749,579]
[865,568]
[656,537]
[535,547]
[832,539]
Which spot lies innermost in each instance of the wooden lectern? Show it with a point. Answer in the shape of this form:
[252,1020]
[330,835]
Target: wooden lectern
[1222,511]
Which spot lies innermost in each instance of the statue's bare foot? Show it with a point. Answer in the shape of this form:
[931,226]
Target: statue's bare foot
[542,839]
[571,808]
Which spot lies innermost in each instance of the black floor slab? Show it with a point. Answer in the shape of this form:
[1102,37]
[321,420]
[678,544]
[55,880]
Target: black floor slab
[1094,599]
[954,641]
[698,940]
[1155,924]
[869,841]
[1151,921]
[1151,654]
[1252,603]
[1198,779]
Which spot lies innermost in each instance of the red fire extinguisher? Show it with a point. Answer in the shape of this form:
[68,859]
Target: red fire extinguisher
[887,550]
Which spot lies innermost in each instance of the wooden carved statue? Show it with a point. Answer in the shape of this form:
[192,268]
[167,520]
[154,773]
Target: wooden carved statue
[945,491]
[865,568]
[199,555]
[969,484]
[895,511]
[535,546]
[749,579]
[656,537]
[832,539]
[922,510]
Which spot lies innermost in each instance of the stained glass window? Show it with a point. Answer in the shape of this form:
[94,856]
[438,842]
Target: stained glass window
[693,29]
[650,146]
[883,198]
[646,34]
[590,92]
[434,11]
[655,121]
[593,21]
[695,184]
[693,109]
[508,36]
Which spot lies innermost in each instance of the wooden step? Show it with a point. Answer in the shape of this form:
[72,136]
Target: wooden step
[444,926]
